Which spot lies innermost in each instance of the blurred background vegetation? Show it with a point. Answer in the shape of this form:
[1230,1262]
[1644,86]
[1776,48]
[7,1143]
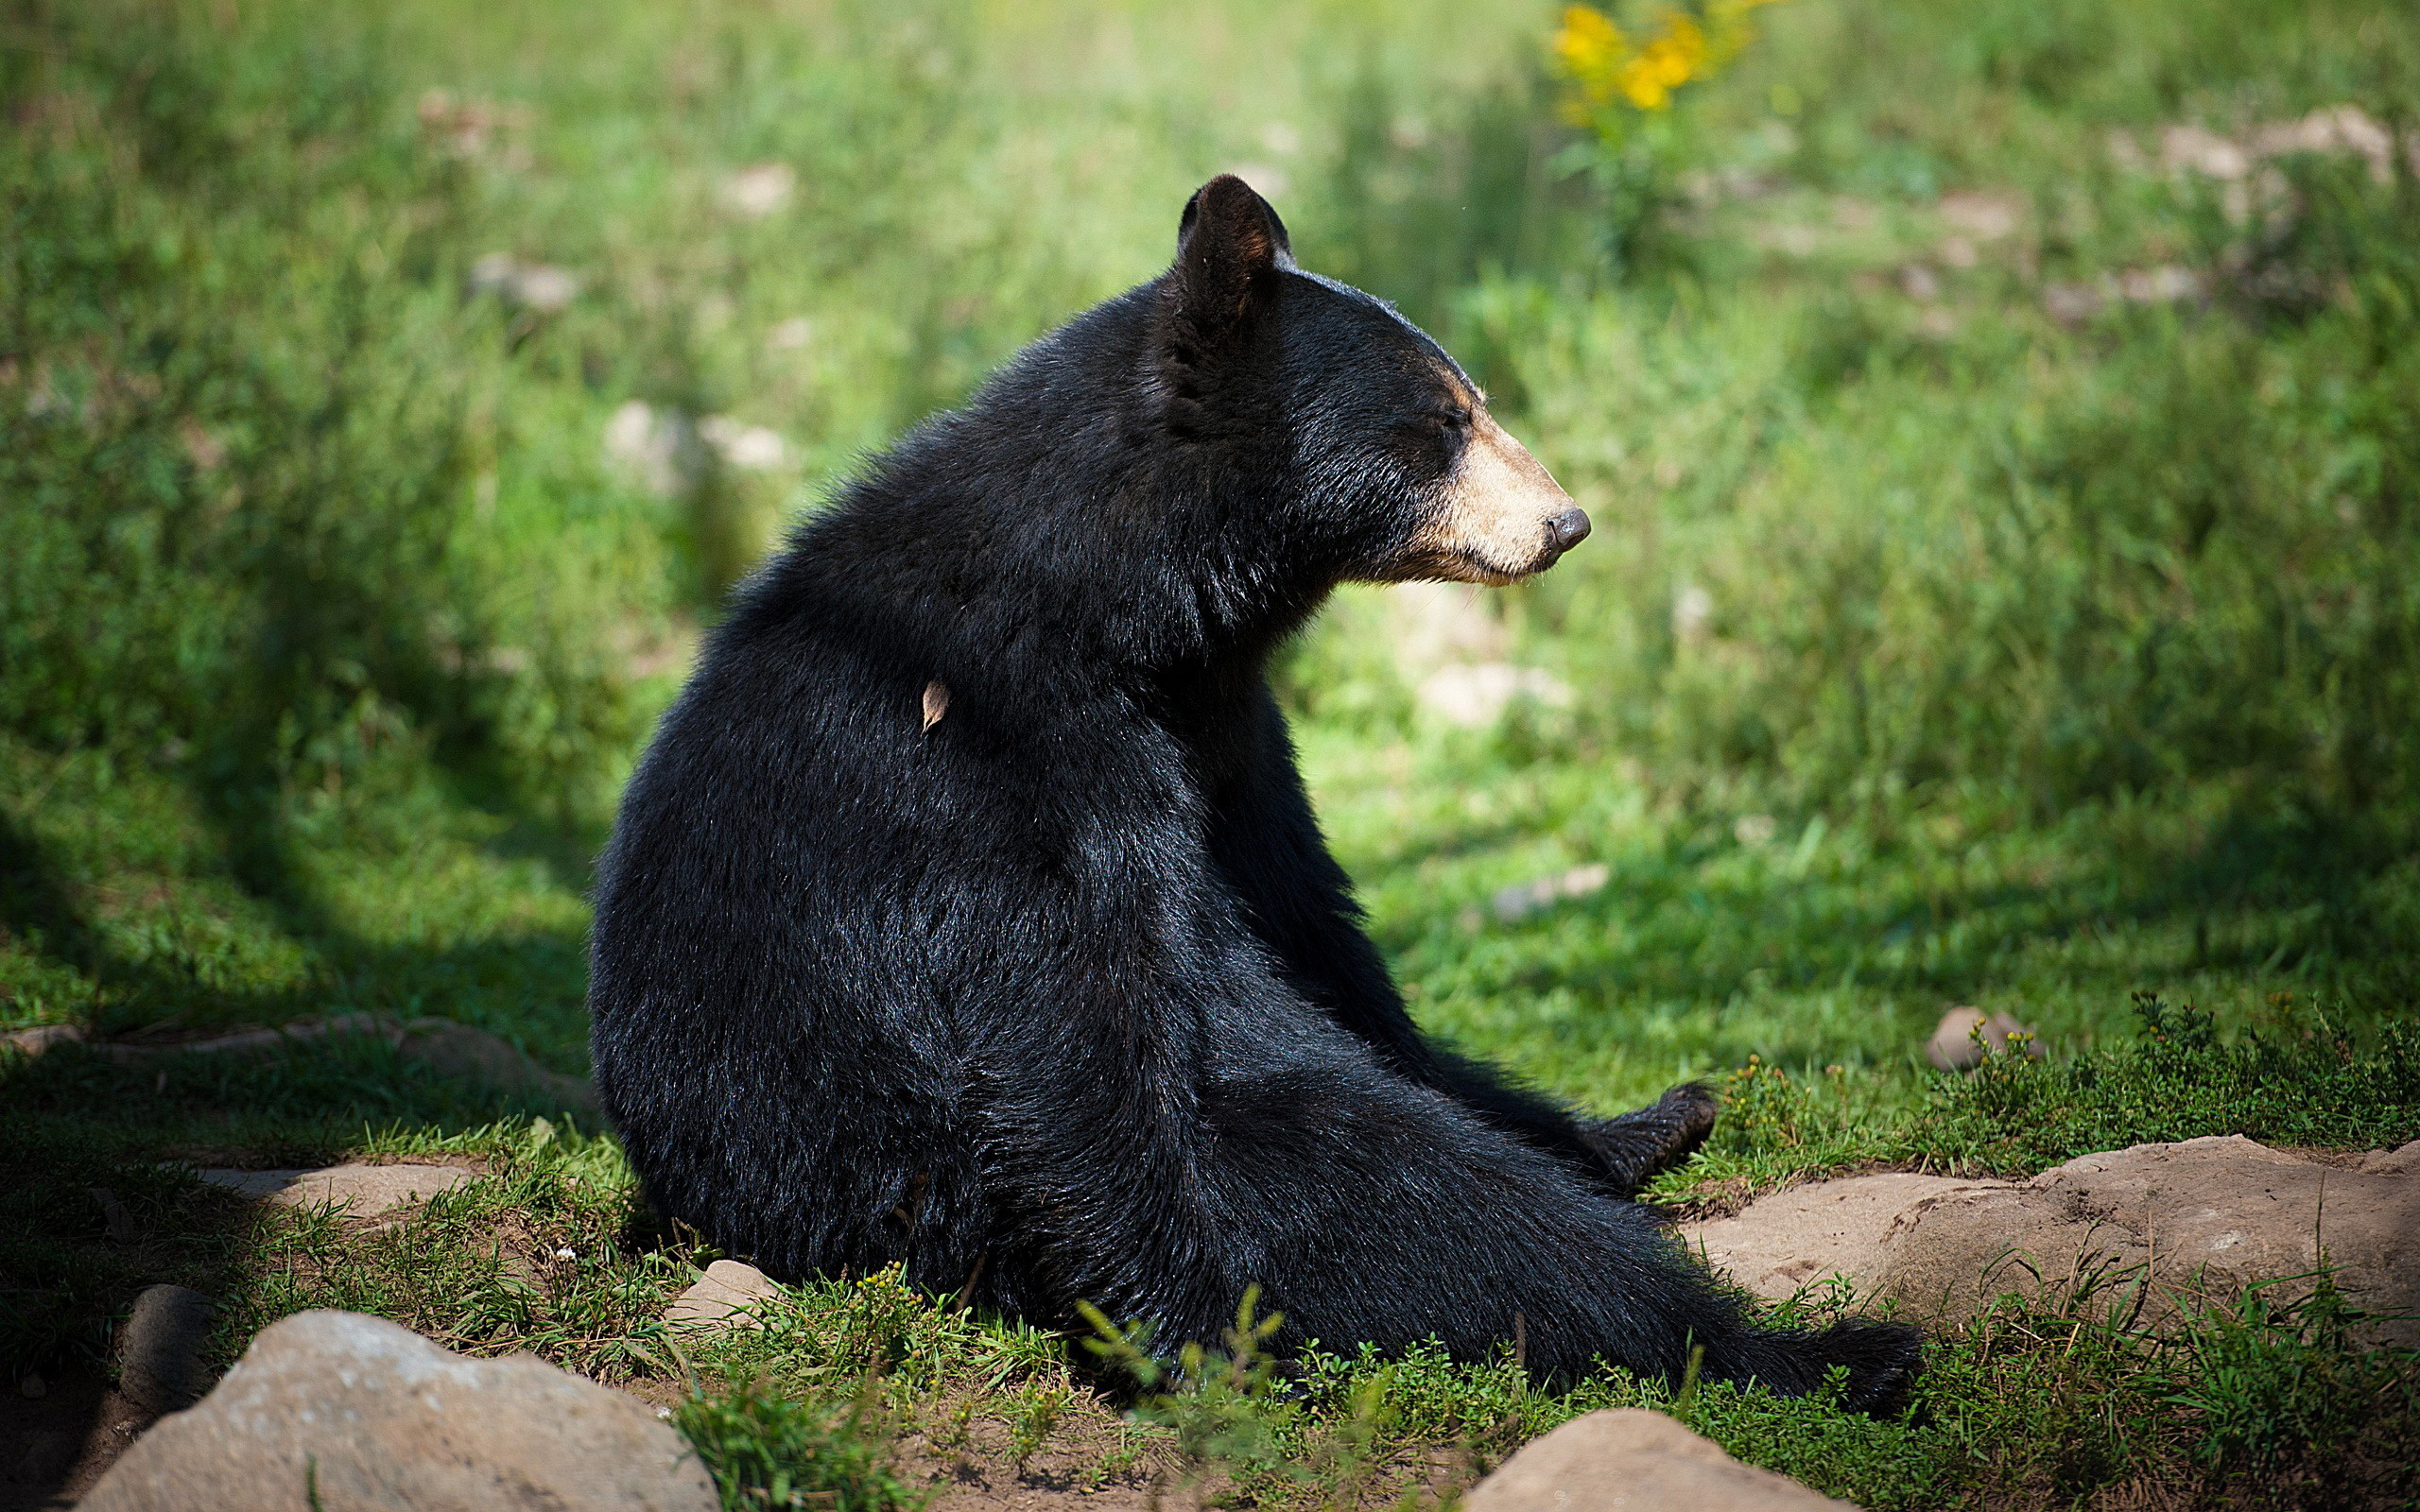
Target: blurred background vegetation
[2002,420]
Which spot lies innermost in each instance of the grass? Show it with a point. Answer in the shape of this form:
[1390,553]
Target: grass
[551,1251]
[1935,647]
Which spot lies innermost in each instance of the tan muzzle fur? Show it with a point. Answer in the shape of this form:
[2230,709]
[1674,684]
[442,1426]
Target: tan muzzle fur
[1502,517]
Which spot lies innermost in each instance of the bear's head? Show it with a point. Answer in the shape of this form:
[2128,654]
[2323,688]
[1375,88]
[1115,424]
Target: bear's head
[1371,451]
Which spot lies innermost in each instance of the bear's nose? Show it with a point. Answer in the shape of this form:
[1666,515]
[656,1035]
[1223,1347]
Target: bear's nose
[1569,529]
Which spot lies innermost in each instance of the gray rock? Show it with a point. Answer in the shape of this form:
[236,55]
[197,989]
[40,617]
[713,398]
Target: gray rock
[1511,904]
[34,1041]
[449,1048]
[1476,695]
[533,287]
[1955,1044]
[1624,1459]
[723,1298]
[159,1358]
[2132,1233]
[2402,1160]
[256,1039]
[358,1190]
[454,1048]
[1805,1234]
[354,1414]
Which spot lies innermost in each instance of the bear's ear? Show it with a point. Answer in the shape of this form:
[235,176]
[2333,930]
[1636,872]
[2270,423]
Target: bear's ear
[1228,245]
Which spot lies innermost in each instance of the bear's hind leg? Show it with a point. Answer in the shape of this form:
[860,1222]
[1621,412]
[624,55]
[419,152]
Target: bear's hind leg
[1375,1211]
[1631,1148]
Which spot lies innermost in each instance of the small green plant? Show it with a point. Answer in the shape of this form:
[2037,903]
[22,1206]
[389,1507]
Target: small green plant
[1033,1412]
[1212,1400]
[772,1450]
[2278,1388]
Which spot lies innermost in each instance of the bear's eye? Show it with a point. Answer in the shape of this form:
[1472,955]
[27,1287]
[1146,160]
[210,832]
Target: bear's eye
[1429,439]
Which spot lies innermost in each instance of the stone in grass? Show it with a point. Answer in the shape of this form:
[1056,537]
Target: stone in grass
[341,1410]
[449,1048]
[1515,904]
[159,1350]
[42,1036]
[357,1191]
[1626,1458]
[724,1297]
[455,1049]
[253,1039]
[1953,1045]
[2135,1232]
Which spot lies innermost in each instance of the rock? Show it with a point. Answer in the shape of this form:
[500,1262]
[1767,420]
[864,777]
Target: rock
[2192,148]
[741,447]
[533,287]
[796,334]
[1435,625]
[43,1036]
[2128,1232]
[758,190]
[2156,1222]
[2404,1161]
[1625,1458]
[358,1190]
[1692,615]
[1473,697]
[455,1049]
[2071,304]
[1753,829]
[2164,284]
[160,1359]
[241,1041]
[258,1038]
[660,448]
[1986,216]
[1802,1235]
[1952,1047]
[671,452]
[336,1410]
[723,1297]
[448,1047]
[1511,904]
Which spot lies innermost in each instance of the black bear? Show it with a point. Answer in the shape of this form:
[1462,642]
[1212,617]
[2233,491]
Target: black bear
[967,911]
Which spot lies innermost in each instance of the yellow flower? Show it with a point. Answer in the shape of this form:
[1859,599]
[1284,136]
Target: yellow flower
[1588,50]
[1588,45]
[1602,63]
[1664,64]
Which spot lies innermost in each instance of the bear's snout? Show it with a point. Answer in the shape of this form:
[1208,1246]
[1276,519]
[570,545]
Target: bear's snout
[1497,517]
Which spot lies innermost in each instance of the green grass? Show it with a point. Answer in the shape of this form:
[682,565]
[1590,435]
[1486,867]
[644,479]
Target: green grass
[551,1251]
[1932,648]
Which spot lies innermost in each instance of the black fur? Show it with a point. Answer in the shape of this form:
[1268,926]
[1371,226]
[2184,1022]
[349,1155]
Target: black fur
[1063,996]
